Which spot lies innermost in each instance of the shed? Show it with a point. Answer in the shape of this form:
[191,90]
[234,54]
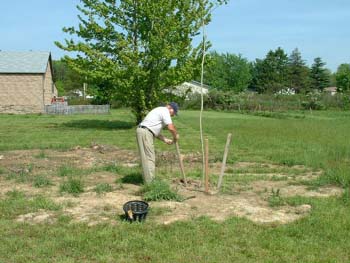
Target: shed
[330,90]
[26,81]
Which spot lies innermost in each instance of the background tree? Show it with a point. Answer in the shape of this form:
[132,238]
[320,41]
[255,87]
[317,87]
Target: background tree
[298,72]
[343,78]
[66,79]
[228,72]
[320,76]
[270,74]
[138,46]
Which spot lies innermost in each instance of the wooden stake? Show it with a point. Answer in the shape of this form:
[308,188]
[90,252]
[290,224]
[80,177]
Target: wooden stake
[206,166]
[223,166]
[181,163]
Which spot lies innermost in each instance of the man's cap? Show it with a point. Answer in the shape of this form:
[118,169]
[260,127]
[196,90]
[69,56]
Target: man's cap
[174,106]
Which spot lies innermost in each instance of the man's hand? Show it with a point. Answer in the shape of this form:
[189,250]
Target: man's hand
[168,141]
[176,138]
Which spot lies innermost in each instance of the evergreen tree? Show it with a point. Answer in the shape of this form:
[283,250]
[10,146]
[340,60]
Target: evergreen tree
[320,76]
[298,72]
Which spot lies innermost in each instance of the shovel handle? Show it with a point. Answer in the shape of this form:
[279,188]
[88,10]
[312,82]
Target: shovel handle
[180,162]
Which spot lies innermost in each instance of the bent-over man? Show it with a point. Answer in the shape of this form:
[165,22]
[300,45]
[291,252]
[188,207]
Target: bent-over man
[151,127]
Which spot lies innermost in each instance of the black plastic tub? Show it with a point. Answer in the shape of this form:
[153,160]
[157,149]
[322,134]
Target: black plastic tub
[135,210]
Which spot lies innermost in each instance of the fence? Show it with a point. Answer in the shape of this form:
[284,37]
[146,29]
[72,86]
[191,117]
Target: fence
[63,108]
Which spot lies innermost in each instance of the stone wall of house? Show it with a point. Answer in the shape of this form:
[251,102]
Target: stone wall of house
[21,93]
[49,88]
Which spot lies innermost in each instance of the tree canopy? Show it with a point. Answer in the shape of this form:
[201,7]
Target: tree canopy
[228,72]
[138,46]
[343,77]
[270,74]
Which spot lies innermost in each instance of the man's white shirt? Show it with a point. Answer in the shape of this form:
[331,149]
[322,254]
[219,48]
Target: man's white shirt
[157,119]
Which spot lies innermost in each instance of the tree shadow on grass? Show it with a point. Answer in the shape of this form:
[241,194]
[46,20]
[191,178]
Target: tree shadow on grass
[99,124]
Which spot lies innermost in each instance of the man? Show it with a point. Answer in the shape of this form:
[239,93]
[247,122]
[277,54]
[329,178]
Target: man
[151,127]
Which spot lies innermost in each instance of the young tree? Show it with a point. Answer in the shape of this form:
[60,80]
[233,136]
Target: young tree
[320,76]
[228,72]
[270,74]
[138,46]
[298,72]
[343,78]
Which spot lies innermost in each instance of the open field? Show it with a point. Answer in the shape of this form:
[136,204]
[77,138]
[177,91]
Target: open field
[285,196]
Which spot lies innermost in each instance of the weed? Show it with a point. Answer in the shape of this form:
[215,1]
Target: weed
[66,171]
[20,177]
[64,219]
[159,190]
[15,194]
[113,168]
[275,198]
[41,202]
[72,186]
[103,188]
[41,181]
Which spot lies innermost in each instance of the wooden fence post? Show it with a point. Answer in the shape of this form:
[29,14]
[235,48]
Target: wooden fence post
[223,165]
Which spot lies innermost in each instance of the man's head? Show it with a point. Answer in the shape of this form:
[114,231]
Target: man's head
[173,108]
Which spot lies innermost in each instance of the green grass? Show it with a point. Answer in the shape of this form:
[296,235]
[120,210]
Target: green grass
[103,188]
[74,186]
[42,181]
[318,141]
[66,170]
[17,203]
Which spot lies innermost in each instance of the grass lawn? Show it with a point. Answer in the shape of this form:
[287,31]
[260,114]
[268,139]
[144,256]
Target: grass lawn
[317,140]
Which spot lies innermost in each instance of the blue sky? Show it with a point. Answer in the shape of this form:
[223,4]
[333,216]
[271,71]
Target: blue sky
[318,28]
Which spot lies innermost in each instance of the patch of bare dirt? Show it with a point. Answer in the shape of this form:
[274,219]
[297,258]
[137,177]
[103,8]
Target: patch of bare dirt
[248,199]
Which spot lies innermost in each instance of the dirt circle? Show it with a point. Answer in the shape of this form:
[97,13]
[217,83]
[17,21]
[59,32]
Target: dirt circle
[248,199]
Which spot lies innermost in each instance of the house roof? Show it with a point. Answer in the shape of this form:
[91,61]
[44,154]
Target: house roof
[23,62]
[330,89]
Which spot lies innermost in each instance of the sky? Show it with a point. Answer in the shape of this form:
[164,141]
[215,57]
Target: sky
[318,28]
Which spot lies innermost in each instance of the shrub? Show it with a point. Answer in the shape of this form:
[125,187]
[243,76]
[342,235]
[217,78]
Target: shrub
[159,190]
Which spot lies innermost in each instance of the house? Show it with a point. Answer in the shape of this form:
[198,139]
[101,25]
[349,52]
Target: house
[26,82]
[188,88]
[330,90]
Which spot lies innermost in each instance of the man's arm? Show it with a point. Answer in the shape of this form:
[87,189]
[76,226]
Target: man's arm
[172,129]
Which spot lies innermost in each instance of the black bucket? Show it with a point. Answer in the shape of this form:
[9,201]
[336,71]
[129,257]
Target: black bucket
[135,210]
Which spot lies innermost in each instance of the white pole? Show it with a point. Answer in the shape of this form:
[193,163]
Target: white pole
[228,142]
